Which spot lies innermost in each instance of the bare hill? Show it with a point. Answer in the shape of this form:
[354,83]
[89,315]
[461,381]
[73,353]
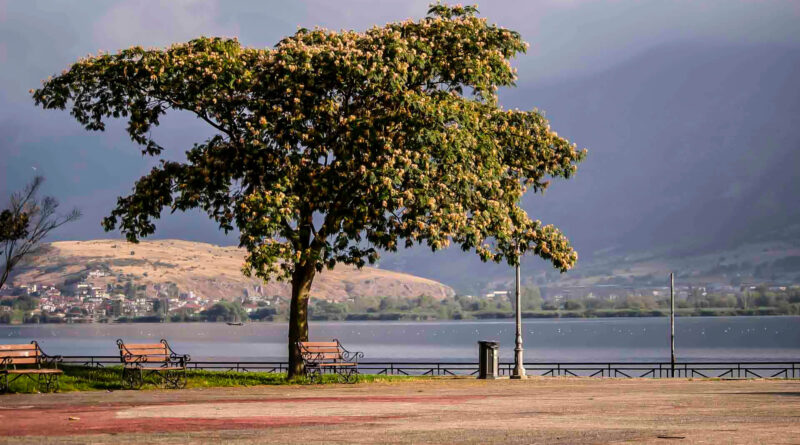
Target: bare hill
[206,270]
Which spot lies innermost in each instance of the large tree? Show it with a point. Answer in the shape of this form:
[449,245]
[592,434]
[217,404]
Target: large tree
[332,146]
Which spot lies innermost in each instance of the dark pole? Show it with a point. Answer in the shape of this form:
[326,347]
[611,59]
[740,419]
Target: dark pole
[672,322]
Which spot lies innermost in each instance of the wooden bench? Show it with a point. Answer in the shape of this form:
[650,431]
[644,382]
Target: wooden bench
[320,357]
[29,361]
[142,360]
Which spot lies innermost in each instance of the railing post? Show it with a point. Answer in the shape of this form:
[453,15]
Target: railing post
[672,322]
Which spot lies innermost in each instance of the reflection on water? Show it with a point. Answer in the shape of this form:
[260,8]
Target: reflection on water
[610,339]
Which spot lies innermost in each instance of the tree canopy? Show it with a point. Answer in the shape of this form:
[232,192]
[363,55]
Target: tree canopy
[333,145]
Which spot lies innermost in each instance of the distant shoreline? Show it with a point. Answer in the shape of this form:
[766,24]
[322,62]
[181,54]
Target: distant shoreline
[484,317]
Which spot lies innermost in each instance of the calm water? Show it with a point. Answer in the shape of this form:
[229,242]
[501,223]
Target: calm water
[613,339]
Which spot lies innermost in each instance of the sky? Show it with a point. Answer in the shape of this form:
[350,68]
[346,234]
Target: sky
[569,39]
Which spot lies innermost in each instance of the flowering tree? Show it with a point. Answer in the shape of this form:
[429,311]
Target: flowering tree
[335,145]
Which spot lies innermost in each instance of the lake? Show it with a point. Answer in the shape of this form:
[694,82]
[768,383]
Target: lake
[607,339]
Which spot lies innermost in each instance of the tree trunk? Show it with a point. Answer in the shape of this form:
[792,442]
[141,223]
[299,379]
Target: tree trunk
[302,278]
[4,277]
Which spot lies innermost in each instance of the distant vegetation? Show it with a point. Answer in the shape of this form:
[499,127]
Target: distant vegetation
[760,301]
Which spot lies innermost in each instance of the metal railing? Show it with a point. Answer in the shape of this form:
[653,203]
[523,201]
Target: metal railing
[715,369]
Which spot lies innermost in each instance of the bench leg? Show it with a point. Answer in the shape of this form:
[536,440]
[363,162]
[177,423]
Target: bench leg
[47,382]
[175,379]
[349,375]
[346,375]
[132,378]
[4,385]
[314,373]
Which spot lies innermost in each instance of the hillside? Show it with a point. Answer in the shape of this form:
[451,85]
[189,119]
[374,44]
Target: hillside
[206,270]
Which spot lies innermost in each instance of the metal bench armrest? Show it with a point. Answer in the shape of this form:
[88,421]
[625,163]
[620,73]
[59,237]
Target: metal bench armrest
[51,360]
[181,359]
[351,356]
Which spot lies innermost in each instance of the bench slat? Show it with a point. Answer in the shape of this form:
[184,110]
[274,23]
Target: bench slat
[319,343]
[144,345]
[145,358]
[337,364]
[23,361]
[27,353]
[322,349]
[19,347]
[161,351]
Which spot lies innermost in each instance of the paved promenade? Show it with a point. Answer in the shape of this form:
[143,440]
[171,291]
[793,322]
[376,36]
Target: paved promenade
[539,410]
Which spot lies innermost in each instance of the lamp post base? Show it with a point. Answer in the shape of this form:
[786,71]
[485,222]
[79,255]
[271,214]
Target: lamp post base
[518,373]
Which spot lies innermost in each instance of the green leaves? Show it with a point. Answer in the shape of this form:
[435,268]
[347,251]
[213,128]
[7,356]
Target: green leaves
[335,145]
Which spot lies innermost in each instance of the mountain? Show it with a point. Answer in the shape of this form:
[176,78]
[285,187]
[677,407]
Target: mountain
[693,150]
[205,269]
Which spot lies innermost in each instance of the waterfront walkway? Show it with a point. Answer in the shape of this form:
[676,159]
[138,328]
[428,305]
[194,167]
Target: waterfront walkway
[447,410]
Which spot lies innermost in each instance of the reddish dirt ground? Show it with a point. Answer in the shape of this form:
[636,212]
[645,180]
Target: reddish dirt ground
[540,410]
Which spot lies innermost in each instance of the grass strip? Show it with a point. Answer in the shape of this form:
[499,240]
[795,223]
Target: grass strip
[82,378]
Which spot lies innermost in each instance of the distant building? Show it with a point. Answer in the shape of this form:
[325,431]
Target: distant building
[496,294]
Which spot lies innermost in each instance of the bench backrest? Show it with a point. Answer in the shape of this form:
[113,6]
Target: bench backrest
[320,351]
[24,354]
[143,352]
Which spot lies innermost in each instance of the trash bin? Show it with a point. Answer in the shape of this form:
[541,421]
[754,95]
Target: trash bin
[488,360]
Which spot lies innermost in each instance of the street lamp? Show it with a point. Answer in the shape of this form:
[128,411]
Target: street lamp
[519,367]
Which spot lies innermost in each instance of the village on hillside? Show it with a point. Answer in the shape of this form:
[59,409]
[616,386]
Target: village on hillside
[85,301]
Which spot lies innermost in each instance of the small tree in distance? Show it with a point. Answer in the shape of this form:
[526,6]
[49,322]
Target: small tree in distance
[25,223]
[335,145]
